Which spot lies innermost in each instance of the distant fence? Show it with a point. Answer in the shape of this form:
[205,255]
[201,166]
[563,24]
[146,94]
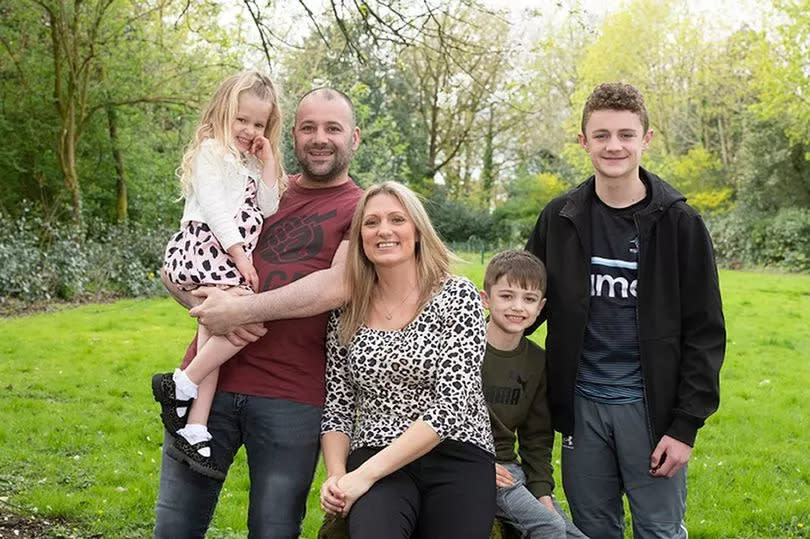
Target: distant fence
[480,248]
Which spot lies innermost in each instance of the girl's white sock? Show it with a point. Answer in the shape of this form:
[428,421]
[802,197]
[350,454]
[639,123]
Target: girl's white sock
[195,433]
[184,389]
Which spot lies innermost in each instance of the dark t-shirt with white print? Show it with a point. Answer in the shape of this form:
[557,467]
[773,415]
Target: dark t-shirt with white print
[610,369]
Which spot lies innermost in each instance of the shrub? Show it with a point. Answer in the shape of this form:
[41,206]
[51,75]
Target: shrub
[457,222]
[746,238]
[42,260]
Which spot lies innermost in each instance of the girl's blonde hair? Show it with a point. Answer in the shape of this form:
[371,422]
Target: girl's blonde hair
[432,258]
[218,117]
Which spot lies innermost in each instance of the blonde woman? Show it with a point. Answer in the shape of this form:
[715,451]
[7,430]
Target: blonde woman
[405,432]
[231,179]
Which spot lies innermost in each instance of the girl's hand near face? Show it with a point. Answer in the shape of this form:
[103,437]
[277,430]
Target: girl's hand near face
[260,147]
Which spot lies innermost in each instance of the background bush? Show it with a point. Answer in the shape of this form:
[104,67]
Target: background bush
[780,240]
[40,260]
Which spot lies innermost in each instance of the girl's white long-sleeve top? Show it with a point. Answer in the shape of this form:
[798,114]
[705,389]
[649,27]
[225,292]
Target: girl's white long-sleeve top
[218,183]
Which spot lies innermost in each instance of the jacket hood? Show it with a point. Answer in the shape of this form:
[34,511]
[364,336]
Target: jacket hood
[662,196]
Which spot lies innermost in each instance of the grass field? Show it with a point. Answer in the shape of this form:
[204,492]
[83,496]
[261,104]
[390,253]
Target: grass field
[80,435]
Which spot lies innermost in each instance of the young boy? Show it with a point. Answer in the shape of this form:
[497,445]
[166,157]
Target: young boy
[636,335]
[514,378]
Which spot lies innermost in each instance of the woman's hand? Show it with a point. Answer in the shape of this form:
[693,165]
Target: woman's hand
[353,485]
[332,496]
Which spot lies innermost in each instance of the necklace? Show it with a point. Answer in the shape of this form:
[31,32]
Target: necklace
[389,313]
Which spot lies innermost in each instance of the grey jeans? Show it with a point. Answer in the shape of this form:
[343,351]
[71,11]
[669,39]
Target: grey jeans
[608,456]
[518,507]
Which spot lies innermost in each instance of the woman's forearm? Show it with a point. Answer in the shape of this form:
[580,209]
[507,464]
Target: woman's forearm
[418,440]
[335,446]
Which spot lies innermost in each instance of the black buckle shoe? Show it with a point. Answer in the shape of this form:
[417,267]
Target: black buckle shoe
[183,451]
[164,390]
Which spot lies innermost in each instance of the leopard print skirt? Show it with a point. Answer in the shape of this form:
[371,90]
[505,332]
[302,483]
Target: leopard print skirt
[194,257]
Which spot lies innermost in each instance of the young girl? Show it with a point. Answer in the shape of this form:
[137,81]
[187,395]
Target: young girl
[231,178]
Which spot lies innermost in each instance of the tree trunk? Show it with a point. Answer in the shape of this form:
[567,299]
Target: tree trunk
[488,165]
[67,162]
[121,213]
[723,148]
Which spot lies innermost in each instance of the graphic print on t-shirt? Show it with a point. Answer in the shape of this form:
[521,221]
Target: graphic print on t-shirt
[507,394]
[291,240]
[610,371]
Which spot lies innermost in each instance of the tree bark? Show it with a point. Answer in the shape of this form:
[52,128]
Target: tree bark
[121,202]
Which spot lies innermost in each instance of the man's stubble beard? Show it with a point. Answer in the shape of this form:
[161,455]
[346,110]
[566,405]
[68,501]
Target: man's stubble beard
[342,157]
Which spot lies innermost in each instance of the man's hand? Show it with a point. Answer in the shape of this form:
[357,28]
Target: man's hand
[246,334]
[669,456]
[502,477]
[219,311]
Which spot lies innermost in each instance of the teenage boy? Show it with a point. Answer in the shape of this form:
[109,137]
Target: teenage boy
[636,335]
[514,379]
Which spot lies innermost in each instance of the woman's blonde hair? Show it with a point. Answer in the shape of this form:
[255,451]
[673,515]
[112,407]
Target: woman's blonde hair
[432,258]
[218,117]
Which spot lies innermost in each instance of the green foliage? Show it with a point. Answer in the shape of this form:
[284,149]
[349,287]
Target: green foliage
[771,172]
[711,202]
[782,70]
[780,240]
[464,107]
[43,260]
[457,222]
[527,196]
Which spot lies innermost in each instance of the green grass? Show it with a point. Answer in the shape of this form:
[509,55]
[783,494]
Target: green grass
[80,435]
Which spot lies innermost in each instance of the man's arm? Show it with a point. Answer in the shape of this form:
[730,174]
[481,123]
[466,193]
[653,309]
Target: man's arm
[313,294]
[238,336]
[183,297]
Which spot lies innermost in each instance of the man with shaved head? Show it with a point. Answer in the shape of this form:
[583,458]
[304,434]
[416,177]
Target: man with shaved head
[270,395]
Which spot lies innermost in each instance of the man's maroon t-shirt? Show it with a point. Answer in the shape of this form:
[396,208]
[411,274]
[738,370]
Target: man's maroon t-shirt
[288,362]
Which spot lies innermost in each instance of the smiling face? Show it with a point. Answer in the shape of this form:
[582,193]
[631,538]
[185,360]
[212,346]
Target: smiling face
[388,233]
[512,308]
[251,120]
[325,139]
[615,140]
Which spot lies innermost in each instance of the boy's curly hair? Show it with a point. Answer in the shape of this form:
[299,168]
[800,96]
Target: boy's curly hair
[615,96]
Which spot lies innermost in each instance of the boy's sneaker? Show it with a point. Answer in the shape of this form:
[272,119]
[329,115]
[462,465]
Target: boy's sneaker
[185,452]
[164,390]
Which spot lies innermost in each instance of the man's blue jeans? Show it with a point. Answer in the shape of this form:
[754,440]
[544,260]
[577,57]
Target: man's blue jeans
[281,439]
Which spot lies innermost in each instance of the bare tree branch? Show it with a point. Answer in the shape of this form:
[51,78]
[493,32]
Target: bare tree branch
[257,20]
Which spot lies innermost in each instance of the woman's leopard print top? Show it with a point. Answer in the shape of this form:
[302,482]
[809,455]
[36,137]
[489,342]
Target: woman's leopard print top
[384,380]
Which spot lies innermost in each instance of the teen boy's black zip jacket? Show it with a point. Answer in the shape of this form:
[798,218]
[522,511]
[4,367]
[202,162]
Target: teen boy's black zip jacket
[681,329]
